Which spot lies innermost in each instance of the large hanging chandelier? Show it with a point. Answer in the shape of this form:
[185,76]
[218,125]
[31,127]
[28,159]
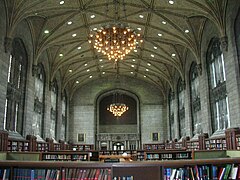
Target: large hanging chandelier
[116,39]
[117,108]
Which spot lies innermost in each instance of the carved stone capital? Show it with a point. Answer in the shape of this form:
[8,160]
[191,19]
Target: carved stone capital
[8,44]
[51,85]
[199,69]
[224,43]
[183,84]
[34,70]
[172,95]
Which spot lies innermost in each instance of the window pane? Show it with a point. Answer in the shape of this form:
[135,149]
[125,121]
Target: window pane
[9,68]
[218,93]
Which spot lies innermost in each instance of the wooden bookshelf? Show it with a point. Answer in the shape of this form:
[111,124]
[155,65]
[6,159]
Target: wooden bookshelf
[17,145]
[217,143]
[192,145]
[42,146]
[238,142]
[3,141]
[136,170]
[143,171]
[168,155]
[57,146]
[152,147]
[119,158]
[118,152]
[65,156]
[82,147]
[141,155]
[233,138]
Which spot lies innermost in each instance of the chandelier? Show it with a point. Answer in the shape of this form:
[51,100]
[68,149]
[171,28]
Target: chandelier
[117,108]
[115,40]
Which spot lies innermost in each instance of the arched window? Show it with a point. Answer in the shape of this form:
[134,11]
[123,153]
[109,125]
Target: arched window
[54,95]
[237,35]
[171,114]
[38,115]
[195,99]
[15,97]
[181,108]
[217,87]
[64,117]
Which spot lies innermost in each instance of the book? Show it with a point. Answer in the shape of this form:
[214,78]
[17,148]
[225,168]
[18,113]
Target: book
[192,174]
[173,173]
[227,172]
[214,172]
[167,173]
[233,173]
[32,174]
[221,173]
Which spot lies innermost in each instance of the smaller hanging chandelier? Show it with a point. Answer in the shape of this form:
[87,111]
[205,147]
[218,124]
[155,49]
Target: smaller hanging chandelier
[117,108]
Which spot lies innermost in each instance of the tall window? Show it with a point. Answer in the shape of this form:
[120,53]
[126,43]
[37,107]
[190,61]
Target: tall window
[54,95]
[64,115]
[217,87]
[181,108]
[38,114]
[15,97]
[171,114]
[195,100]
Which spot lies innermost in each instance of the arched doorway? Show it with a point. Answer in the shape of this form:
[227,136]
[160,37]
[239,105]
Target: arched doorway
[124,129]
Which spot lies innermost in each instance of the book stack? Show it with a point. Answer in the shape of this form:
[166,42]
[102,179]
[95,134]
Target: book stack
[40,174]
[86,174]
[123,178]
[57,174]
[203,172]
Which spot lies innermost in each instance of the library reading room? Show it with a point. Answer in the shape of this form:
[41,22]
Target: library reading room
[119,89]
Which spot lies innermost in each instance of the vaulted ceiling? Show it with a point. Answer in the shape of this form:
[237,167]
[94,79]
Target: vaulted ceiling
[170,29]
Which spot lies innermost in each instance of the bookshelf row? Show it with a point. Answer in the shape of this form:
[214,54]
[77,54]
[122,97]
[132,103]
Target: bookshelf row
[31,144]
[230,141]
[141,155]
[227,168]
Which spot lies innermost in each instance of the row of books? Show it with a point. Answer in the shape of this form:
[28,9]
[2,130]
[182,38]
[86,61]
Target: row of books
[170,156]
[123,178]
[56,157]
[86,174]
[57,174]
[32,174]
[203,172]
[67,157]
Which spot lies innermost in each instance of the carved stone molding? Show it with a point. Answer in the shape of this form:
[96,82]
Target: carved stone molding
[34,70]
[8,44]
[199,69]
[118,137]
[172,95]
[224,43]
